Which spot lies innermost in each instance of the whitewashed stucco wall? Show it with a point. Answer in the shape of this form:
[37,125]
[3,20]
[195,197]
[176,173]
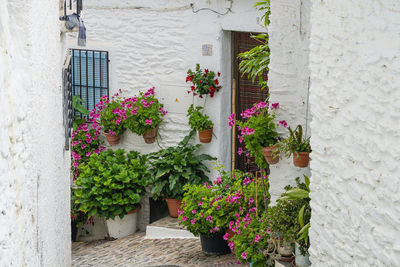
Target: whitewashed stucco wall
[34,169]
[355,100]
[289,79]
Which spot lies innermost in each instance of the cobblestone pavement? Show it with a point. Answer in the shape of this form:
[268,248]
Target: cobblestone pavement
[136,251]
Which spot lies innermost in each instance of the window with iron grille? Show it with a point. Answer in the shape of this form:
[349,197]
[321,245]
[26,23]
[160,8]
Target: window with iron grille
[89,76]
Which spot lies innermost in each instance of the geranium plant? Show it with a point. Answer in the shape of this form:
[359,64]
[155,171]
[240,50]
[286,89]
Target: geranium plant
[198,120]
[110,114]
[173,167]
[203,82]
[144,113]
[257,129]
[295,142]
[84,142]
[111,183]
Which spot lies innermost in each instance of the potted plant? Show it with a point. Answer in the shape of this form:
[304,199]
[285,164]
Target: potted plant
[144,115]
[111,116]
[298,146]
[258,130]
[84,142]
[301,193]
[173,167]
[203,216]
[78,217]
[204,82]
[111,185]
[200,122]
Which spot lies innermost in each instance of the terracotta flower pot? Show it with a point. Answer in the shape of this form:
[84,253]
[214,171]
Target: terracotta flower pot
[268,155]
[173,206]
[301,159]
[205,136]
[112,139]
[150,136]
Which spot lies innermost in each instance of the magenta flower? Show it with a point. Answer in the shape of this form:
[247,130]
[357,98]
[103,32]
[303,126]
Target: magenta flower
[274,105]
[219,180]
[283,123]
[232,120]
[200,203]
[226,236]
[257,238]
[111,132]
[180,212]
[148,122]
[244,255]
[184,218]
[240,151]
[194,211]
[134,110]
[193,221]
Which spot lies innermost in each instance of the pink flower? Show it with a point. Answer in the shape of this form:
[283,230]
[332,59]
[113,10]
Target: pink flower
[226,236]
[283,123]
[180,212]
[274,105]
[83,146]
[240,151]
[88,154]
[219,180]
[200,203]
[209,218]
[244,255]
[232,120]
[184,218]
[148,122]
[257,238]
[231,245]
[194,211]
[111,132]
[193,221]
[134,110]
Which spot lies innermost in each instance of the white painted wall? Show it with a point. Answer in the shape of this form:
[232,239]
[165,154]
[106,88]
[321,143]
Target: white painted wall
[153,43]
[289,79]
[355,100]
[34,169]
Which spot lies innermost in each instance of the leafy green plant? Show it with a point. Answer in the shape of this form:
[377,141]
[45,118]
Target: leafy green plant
[295,142]
[111,183]
[173,167]
[198,120]
[265,7]
[77,215]
[255,62]
[77,104]
[301,193]
[144,113]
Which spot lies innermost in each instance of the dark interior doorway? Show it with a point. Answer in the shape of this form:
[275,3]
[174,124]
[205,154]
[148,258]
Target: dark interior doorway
[247,93]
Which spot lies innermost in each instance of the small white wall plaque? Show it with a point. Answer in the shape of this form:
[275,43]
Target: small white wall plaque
[207,50]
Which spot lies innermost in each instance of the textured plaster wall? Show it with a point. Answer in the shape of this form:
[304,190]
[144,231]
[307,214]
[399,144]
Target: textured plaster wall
[153,43]
[34,169]
[289,78]
[355,104]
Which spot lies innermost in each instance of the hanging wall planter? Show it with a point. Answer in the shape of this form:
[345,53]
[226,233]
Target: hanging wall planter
[269,155]
[214,245]
[150,136]
[112,139]
[205,136]
[173,206]
[301,159]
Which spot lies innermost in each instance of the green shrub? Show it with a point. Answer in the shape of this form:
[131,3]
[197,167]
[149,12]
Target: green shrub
[111,183]
[197,120]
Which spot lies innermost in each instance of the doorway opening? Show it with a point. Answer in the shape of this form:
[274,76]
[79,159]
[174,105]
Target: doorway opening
[245,94]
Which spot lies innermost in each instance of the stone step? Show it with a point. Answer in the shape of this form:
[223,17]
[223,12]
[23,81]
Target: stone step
[167,227]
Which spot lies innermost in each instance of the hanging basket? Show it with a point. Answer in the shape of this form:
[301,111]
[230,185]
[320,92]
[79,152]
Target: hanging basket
[150,136]
[269,156]
[205,136]
[301,159]
[112,139]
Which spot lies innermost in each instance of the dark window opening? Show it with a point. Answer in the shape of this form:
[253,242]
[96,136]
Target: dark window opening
[90,73]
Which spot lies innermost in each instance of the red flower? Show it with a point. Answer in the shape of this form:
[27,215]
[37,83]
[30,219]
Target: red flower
[201,96]
[200,81]
[210,88]
[195,94]
[188,92]
[219,74]
[216,82]
[193,88]
[206,71]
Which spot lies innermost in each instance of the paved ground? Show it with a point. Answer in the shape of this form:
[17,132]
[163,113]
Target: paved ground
[135,251]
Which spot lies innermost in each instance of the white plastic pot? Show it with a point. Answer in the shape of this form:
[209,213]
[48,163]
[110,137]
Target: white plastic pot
[301,260]
[118,227]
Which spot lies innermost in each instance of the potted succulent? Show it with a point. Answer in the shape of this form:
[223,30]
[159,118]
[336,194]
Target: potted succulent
[200,122]
[173,167]
[301,193]
[203,82]
[298,146]
[144,115]
[111,116]
[111,185]
[258,130]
